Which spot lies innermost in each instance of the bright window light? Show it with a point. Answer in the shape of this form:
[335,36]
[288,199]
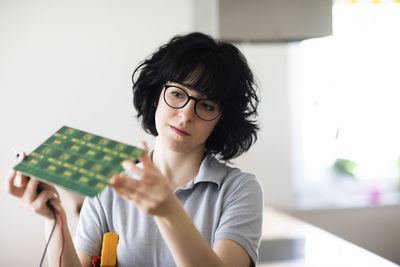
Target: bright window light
[351,104]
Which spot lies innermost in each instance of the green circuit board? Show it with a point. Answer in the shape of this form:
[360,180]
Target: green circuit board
[78,161]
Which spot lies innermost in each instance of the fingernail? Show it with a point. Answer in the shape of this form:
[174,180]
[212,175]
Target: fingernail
[112,180]
[126,164]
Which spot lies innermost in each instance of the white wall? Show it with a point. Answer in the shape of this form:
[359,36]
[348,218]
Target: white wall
[70,63]
[276,156]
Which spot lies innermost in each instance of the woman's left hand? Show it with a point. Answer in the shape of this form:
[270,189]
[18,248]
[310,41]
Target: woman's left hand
[151,192]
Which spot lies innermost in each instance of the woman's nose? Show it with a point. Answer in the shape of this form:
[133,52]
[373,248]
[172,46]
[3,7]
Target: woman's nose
[187,112]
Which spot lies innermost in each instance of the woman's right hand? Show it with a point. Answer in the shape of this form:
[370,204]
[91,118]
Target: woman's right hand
[33,193]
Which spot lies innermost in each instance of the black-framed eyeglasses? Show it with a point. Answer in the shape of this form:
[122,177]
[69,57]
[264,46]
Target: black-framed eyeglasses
[177,98]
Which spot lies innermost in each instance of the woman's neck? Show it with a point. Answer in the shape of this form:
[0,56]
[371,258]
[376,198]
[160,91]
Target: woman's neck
[178,167]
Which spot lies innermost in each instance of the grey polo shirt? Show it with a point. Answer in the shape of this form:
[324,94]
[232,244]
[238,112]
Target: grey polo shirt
[223,202]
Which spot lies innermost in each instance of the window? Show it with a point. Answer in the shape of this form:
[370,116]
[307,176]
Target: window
[351,105]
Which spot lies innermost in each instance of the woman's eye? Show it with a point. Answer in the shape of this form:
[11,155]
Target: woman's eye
[208,107]
[177,94]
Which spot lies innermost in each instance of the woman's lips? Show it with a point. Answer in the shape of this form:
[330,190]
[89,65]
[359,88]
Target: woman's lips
[179,131]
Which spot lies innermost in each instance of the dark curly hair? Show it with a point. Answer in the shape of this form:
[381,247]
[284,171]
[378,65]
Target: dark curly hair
[214,68]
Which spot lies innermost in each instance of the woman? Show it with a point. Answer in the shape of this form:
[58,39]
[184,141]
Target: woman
[179,206]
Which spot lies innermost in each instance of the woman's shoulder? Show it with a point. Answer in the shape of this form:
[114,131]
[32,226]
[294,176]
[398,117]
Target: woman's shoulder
[108,199]
[231,175]
[230,170]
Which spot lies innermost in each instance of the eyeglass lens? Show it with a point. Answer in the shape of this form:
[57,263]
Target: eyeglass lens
[177,98]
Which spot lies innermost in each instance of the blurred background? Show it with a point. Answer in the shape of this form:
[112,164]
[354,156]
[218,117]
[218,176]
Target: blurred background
[329,147]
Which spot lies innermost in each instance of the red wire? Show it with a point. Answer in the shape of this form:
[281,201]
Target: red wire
[62,235]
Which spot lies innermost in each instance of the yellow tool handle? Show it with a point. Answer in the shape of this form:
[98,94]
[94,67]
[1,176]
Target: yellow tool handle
[109,250]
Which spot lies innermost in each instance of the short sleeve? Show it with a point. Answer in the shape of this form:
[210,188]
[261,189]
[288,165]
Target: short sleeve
[91,227]
[242,214]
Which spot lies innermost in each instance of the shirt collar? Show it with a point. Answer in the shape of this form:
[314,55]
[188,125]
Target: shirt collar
[210,171]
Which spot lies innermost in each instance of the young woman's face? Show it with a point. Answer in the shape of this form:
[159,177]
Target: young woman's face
[181,130]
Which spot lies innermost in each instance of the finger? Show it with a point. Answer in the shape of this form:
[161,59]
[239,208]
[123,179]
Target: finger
[144,203]
[45,186]
[143,145]
[138,190]
[21,156]
[39,205]
[21,179]
[146,161]
[128,187]
[127,184]
[136,197]
[139,173]
[56,203]
[123,192]
[31,190]
[13,183]
[10,184]
[131,167]
[18,181]
[144,158]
